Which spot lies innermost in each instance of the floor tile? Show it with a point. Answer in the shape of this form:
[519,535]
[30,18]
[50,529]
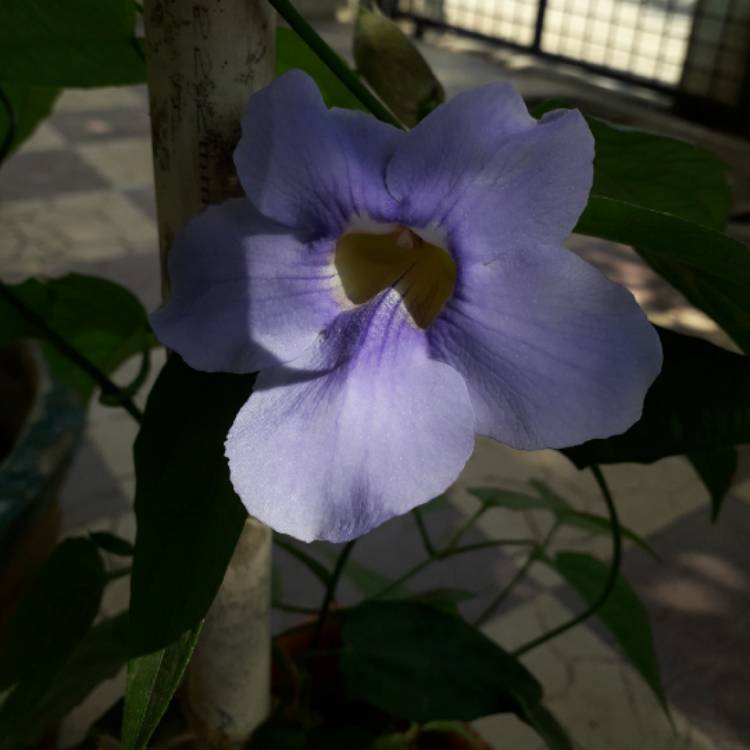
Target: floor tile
[125,163]
[89,126]
[100,98]
[48,172]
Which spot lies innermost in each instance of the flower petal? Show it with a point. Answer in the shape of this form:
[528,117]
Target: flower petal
[365,427]
[246,292]
[492,177]
[309,167]
[552,352]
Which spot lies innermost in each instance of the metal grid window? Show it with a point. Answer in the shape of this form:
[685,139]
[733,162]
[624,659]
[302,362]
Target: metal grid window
[698,49]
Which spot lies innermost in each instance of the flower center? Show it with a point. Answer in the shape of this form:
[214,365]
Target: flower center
[423,274]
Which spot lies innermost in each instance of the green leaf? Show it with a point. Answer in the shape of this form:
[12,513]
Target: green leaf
[30,105]
[623,613]
[98,657]
[660,173]
[650,192]
[292,52]
[700,402]
[547,727]
[101,319]
[716,470]
[189,519]
[418,663]
[562,510]
[657,172]
[69,43]
[493,497]
[394,67]
[153,680]
[49,624]
[445,600]
[112,543]
[711,269]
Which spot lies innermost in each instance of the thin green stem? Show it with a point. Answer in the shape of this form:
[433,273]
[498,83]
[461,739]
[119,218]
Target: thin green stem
[284,607]
[77,358]
[423,533]
[614,570]
[330,593]
[335,64]
[488,544]
[464,527]
[393,585]
[536,553]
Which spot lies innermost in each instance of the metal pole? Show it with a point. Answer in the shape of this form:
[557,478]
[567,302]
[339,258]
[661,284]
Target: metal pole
[204,60]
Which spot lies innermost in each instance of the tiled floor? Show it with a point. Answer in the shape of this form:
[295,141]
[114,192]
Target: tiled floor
[79,197]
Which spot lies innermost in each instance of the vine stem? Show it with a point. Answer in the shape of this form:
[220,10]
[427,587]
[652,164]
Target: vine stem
[423,533]
[334,63]
[614,570]
[71,353]
[325,607]
[10,134]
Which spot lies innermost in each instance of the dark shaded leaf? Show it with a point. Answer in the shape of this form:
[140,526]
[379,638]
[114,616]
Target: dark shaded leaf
[418,663]
[98,657]
[49,624]
[623,613]
[30,106]
[292,52]
[189,519]
[394,67]
[69,43]
[716,470]
[153,680]
[700,402]
[547,727]
[101,319]
[112,543]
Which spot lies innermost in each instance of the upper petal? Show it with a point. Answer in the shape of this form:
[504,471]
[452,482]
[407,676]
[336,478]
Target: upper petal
[246,292]
[364,427]
[552,352]
[490,176]
[309,167]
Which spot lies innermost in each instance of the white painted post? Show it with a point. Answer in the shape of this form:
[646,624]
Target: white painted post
[204,60]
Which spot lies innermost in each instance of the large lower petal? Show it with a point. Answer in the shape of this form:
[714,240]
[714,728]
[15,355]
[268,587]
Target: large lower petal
[309,167]
[552,352]
[490,176]
[363,428]
[246,293]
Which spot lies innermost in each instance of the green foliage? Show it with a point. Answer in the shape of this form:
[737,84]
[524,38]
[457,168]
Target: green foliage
[711,269]
[563,512]
[58,43]
[152,682]
[669,200]
[112,543]
[189,518]
[422,664]
[102,320]
[43,635]
[716,469]
[29,105]
[394,67]
[293,52]
[623,613]
[700,402]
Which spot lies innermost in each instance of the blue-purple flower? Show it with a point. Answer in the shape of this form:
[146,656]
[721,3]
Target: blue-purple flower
[400,292]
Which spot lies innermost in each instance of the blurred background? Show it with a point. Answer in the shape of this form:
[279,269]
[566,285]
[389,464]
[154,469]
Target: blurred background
[78,196]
